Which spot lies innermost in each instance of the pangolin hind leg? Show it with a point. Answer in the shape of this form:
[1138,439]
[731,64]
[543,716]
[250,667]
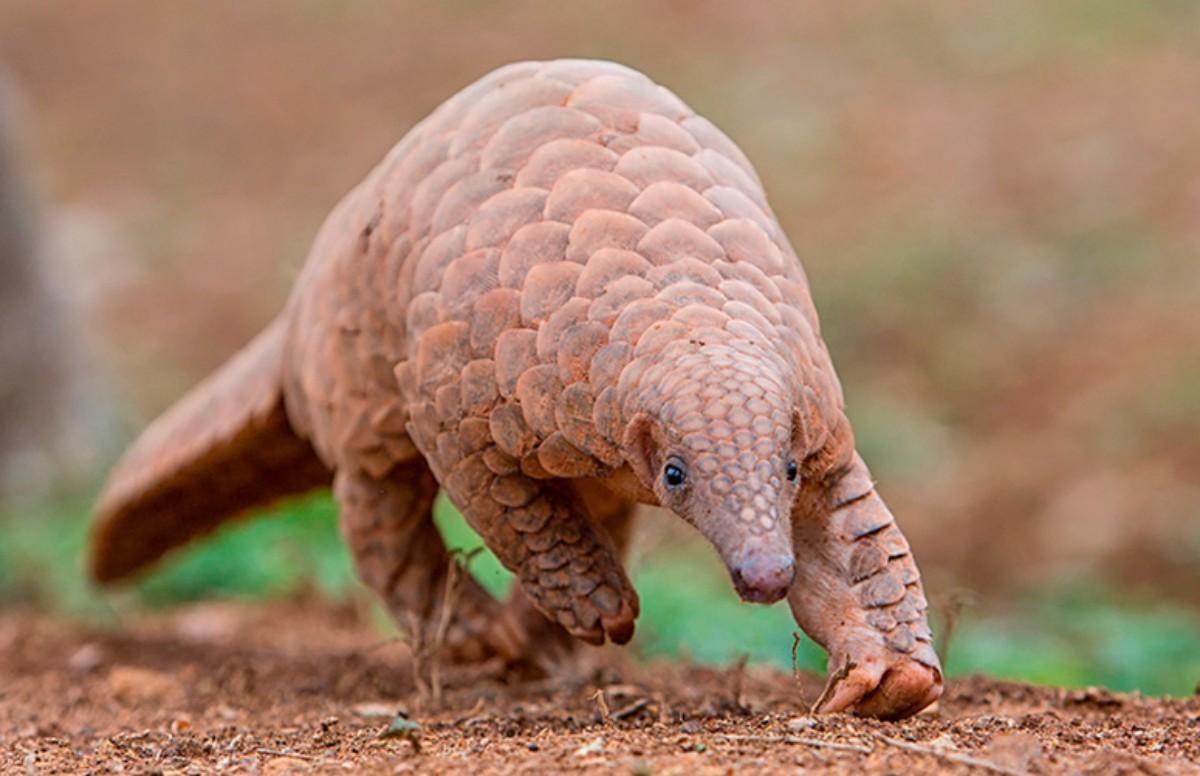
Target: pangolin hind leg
[540,531]
[388,525]
[858,594]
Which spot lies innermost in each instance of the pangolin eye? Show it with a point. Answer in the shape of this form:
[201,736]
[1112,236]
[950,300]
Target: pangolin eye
[674,475]
[792,471]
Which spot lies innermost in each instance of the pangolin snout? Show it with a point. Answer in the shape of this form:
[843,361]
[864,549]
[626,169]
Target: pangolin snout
[763,577]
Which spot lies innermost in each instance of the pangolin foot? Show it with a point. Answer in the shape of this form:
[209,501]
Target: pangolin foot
[882,686]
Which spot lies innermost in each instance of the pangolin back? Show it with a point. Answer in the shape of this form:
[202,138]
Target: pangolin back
[521,264]
[504,291]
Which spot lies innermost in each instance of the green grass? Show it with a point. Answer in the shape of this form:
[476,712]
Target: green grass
[1086,642]
[689,610]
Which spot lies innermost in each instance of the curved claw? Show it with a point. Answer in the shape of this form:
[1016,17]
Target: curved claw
[619,627]
[614,621]
[881,690]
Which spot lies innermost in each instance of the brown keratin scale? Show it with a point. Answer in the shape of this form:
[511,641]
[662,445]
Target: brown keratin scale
[560,295]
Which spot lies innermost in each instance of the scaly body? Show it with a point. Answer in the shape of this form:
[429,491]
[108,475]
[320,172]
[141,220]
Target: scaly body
[562,294]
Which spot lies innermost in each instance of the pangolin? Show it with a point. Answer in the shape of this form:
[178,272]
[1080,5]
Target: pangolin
[560,295]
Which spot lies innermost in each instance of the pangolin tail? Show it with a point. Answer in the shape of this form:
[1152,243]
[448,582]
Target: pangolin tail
[225,447]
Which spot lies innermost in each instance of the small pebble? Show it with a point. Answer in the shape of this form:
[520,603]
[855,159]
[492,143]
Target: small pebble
[690,727]
[800,724]
[375,710]
[944,741]
[595,747]
[86,659]
[532,746]
[227,713]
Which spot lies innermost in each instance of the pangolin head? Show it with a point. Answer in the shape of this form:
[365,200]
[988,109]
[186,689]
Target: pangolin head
[715,434]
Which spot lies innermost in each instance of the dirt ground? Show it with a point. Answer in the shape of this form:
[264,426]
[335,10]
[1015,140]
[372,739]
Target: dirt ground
[306,688]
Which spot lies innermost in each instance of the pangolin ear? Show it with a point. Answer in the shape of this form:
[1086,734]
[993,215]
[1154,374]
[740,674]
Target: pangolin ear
[804,424]
[809,428]
[641,444]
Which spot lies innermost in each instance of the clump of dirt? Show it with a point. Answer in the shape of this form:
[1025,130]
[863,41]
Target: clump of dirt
[306,688]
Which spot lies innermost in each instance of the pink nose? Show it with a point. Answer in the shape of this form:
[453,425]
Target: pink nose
[763,578]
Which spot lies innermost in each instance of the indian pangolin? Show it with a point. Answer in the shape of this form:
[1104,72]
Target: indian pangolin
[562,294]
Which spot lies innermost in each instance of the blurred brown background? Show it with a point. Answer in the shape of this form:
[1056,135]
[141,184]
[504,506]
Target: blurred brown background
[998,205]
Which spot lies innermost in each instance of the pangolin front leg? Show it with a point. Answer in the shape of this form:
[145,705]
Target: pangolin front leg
[548,642]
[388,525]
[858,594]
[541,533]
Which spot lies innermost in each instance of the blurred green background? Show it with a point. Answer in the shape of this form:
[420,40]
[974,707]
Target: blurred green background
[998,206]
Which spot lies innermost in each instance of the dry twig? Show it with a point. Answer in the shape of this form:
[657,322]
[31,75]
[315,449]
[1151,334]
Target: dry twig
[475,712]
[664,711]
[598,697]
[631,709]
[427,647]
[834,678]
[297,755]
[449,602]
[813,742]
[954,757]
[951,607]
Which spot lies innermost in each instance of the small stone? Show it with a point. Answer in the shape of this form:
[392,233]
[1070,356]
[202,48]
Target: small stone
[375,710]
[87,658]
[208,623]
[801,724]
[227,713]
[690,727]
[944,741]
[532,746]
[596,746]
